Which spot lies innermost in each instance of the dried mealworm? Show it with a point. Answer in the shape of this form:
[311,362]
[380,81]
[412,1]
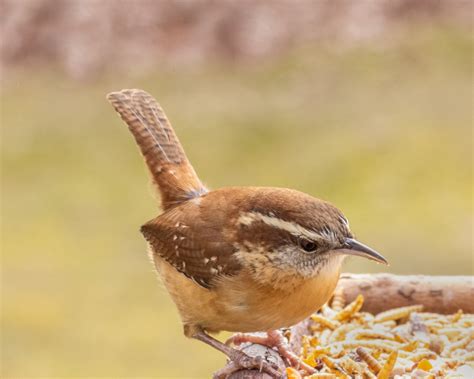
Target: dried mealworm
[324,337]
[372,363]
[305,345]
[388,323]
[316,353]
[321,375]
[388,366]
[451,333]
[334,366]
[350,309]
[338,299]
[458,344]
[410,346]
[455,317]
[369,375]
[351,366]
[399,338]
[340,332]
[324,321]
[386,346]
[291,373]
[397,313]
[327,311]
[421,354]
[370,334]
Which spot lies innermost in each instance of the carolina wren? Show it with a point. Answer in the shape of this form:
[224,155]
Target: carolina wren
[239,259]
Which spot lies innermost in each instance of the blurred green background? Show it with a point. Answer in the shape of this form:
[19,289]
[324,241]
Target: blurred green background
[382,129]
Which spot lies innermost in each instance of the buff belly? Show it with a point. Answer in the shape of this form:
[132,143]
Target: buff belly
[239,304]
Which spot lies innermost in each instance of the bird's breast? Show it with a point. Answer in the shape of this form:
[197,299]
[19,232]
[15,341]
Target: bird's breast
[240,304]
[247,306]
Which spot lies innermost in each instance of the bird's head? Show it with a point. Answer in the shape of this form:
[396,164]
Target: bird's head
[285,232]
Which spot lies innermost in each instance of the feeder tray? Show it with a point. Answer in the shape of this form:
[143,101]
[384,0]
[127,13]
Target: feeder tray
[443,295]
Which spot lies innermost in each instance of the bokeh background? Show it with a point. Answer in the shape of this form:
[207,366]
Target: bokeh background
[366,103]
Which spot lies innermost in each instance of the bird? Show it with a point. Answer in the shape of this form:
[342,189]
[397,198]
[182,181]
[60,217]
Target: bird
[236,259]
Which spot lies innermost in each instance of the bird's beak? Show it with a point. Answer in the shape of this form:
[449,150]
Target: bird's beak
[354,247]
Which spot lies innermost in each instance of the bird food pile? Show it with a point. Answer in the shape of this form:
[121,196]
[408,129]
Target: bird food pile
[399,343]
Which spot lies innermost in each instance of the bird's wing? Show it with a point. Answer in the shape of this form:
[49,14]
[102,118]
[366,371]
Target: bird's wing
[191,245]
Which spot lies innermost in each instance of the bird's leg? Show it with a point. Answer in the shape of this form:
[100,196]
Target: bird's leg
[240,360]
[277,339]
[273,339]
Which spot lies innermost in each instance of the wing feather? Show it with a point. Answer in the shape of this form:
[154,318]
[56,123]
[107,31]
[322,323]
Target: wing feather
[200,253]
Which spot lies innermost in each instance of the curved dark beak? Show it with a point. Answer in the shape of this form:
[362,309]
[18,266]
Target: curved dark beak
[354,247]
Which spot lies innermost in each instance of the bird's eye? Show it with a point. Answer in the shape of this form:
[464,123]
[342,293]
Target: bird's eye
[307,246]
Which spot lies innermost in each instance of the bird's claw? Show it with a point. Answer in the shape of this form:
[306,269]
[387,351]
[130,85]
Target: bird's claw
[272,339]
[241,361]
[255,362]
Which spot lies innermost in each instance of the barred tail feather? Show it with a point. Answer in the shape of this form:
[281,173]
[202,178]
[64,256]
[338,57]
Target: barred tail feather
[170,169]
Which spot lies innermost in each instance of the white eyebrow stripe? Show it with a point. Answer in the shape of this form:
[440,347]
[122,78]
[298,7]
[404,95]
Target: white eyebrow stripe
[291,227]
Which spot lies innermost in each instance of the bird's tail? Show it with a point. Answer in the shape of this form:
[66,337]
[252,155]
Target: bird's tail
[170,169]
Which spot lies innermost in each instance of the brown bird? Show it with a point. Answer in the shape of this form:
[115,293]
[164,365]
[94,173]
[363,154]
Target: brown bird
[239,259]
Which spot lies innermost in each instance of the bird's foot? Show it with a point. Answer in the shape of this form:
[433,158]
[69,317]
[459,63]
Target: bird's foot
[273,339]
[242,361]
[239,360]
